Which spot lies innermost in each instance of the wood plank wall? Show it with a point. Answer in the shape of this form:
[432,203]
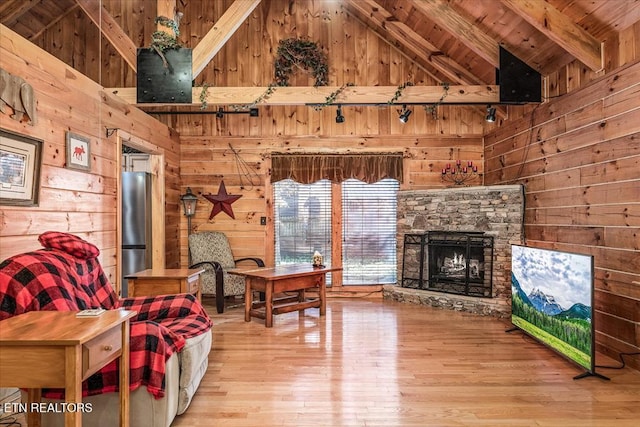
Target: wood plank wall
[208,160]
[619,51]
[355,55]
[578,157]
[79,202]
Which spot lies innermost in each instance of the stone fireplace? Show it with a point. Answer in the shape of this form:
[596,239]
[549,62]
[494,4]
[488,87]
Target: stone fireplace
[454,247]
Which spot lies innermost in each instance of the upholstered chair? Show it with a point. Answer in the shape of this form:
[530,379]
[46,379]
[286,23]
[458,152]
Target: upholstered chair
[211,251]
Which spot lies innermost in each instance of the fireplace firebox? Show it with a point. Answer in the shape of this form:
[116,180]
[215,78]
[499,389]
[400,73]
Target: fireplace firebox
[449,261]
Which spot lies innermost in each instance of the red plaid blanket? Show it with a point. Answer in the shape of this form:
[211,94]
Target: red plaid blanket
[67,276]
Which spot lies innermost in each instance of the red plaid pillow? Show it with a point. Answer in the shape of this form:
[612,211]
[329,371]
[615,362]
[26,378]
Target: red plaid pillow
[73,245]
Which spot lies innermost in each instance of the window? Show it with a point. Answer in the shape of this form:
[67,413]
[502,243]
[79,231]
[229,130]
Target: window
[304,221]
[369,232]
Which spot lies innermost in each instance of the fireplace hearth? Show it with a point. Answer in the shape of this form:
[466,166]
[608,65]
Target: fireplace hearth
[449,261]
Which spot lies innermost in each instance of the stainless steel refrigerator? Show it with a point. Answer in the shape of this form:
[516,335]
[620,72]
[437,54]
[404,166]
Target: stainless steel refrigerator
[136,224]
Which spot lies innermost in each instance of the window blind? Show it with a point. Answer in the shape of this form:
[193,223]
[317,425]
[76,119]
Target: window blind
[302,221]
[369,232]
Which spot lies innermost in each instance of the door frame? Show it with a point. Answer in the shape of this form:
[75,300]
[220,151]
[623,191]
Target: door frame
[156,165]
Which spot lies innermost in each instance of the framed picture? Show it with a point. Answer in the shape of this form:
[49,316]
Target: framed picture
[20,162]
[78,152]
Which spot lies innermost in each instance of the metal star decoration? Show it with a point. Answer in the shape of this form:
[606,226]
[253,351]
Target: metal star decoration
[221,201]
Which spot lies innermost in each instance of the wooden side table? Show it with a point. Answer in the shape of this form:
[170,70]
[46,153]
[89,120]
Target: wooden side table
[163,281]
[56,349]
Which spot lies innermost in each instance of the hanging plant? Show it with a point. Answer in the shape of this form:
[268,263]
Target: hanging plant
[302,54]
[162,41]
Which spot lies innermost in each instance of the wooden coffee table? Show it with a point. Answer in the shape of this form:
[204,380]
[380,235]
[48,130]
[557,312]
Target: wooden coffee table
[284,278]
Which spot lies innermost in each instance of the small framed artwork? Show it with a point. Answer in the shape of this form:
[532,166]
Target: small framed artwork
[78,152]
[20,162]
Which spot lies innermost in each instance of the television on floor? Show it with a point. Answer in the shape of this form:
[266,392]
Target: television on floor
[552,301]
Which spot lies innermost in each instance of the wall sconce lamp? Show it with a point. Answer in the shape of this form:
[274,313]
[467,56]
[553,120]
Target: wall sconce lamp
[189,202]
[404,114]
[339,116]
[491,114]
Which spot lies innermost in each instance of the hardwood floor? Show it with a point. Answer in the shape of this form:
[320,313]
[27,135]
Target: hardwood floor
[383,363]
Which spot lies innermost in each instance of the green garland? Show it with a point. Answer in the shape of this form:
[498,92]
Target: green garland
[433,108]
[162,41]
[203,96]
[265,95]
[302,54]
[399,91]
[330,99]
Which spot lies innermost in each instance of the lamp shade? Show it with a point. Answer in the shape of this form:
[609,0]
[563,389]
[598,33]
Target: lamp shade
[189,201]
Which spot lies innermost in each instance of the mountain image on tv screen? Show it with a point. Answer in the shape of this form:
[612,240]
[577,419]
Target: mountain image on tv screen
[551,300]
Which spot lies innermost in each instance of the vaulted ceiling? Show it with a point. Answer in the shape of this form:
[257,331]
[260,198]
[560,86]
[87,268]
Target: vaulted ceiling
[455,41]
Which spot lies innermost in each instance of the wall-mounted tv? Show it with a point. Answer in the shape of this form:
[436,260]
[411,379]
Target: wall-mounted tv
[552,301]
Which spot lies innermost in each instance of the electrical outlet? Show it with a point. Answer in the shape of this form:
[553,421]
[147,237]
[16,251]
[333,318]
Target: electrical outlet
[263,220]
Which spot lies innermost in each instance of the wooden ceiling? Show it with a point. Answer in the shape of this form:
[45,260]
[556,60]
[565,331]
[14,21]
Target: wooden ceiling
[455,41]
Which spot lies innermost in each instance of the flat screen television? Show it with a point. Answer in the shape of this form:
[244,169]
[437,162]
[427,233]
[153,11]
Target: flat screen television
[552,301]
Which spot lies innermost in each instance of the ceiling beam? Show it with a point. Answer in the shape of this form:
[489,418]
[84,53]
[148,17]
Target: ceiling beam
[111,30]
[460,27]
[561,29]
[166,8]
[389,28]
[12,10]
[312,95]
[221,31]
[386,25]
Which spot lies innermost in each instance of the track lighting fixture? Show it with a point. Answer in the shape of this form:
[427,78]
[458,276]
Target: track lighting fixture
[339,116]
[491,114]
[252,112]
[404,114]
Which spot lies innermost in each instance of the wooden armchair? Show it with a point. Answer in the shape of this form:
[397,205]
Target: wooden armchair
[211,251]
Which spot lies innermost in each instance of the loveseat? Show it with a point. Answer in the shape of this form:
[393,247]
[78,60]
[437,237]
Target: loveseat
[170,336]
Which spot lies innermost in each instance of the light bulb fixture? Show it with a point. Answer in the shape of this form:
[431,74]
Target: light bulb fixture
[491,114]
[339,116]
[404,114]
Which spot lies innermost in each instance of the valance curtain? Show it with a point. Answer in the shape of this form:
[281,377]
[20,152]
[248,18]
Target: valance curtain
[309,168]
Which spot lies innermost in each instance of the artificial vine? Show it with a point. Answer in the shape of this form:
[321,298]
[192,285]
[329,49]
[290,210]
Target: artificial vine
[331,98]
[398,93]
[265,95]
[303,54]
[203,96]
[433,108]
[162,41]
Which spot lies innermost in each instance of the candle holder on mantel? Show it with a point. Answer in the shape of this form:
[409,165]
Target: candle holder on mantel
[458,174]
